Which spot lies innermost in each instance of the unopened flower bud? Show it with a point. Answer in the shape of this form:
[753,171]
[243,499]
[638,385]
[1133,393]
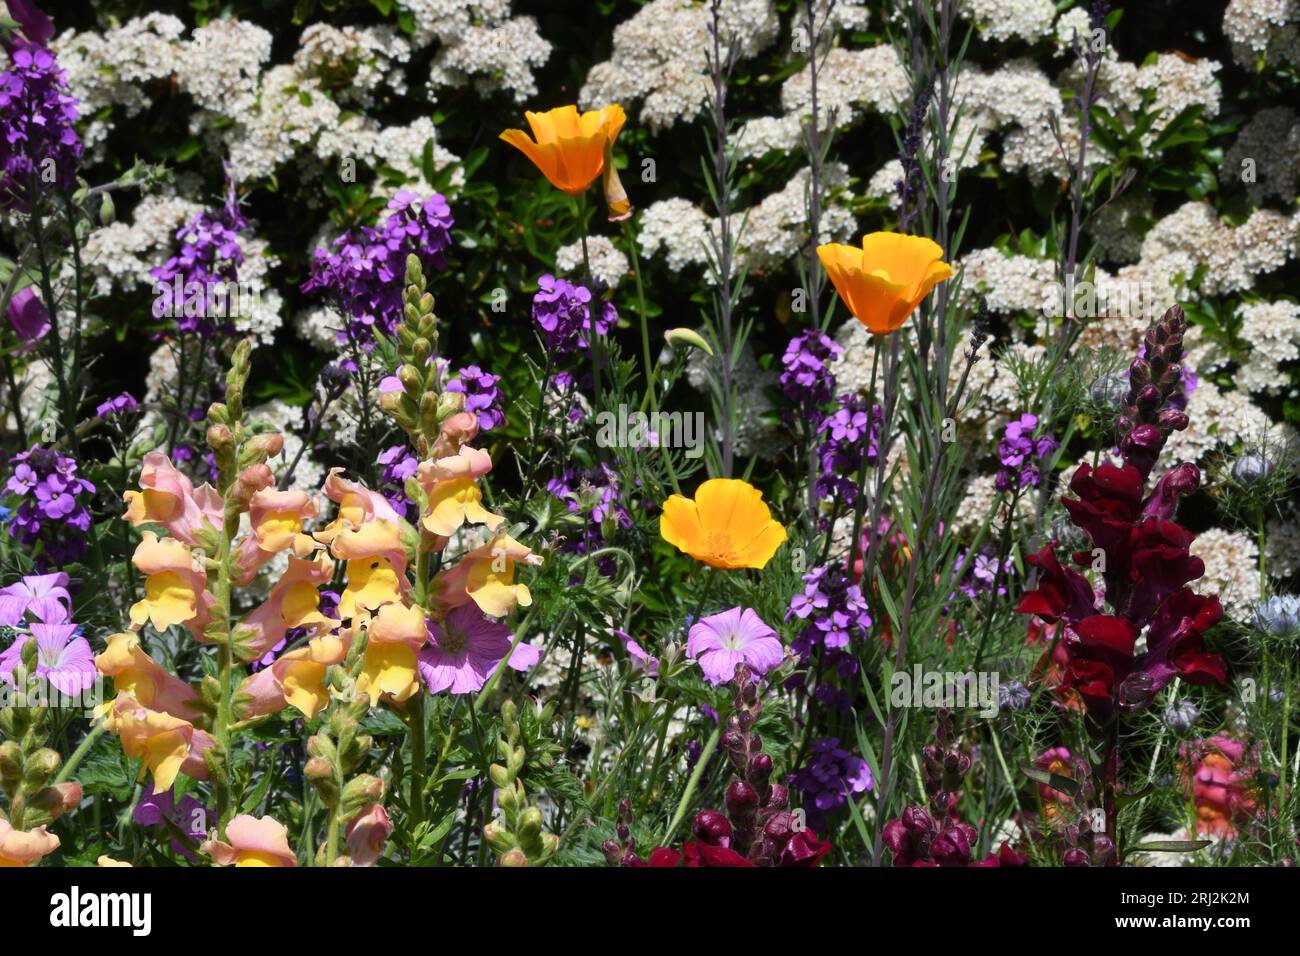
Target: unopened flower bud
[1251,468]
[11,761]
[712,828]
[40,767]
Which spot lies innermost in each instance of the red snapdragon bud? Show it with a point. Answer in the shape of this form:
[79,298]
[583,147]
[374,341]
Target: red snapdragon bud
[712,827]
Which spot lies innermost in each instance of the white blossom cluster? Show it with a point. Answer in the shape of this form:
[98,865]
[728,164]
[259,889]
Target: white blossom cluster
[1010,19]
[113,68]
[849,84]
[659,56]
[479,43]
[774,229]
[1263,32]
[1272,330]
[678,228]
[263,116]
[353,62]
[120,255]
[1231,568]
[608,263]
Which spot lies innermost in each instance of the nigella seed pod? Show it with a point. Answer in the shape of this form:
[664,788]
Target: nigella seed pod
[1279,616]
[1182,715]
[1251,468]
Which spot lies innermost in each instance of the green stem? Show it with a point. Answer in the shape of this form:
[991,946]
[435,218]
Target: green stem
[641,311]
[83,748]
[693,783]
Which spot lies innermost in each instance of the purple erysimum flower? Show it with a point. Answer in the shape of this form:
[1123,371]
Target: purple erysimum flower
[364,270]
[738,636]
[189,816]
[807,379]
[193,286]
[848,433]
[62,658]
[51,513]
[28,316]
[564,311]
[123,404]
[1021,453]
[464,650]
[829,778]
[833,608]
[482,397]
[45,596]
[38,136]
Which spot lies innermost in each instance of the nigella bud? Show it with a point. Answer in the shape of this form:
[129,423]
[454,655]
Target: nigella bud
[1110,391]
[712,828]
[1182,715]
[1251,468]
[1013,695]
[1279,616]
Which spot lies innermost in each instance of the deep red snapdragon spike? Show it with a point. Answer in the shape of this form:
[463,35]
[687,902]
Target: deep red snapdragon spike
[1145,422]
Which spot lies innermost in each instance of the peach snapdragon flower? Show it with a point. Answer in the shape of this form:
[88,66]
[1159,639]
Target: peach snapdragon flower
[253,842]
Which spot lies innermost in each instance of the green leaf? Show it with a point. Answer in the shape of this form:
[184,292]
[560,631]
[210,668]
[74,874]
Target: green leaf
[1057,782]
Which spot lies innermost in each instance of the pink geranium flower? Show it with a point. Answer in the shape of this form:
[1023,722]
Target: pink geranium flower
[44,595]
[62,658]
[464,650]
[739,636]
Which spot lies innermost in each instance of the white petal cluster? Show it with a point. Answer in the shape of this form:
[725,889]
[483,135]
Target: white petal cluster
[355,62]
[608,263]
[114,68]
[221,64]
[120,255]
[1272,330]
[1231,569]
[1263,32]
[1010,19]
[678,228]
[659,56]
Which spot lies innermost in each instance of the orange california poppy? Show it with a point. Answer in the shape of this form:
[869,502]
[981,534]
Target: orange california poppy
[727,525]
[570,149]
[884,281]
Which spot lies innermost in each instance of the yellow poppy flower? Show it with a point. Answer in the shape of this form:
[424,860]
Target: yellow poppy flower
[727,525]
[569,148]
[883,282]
